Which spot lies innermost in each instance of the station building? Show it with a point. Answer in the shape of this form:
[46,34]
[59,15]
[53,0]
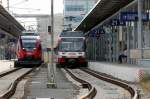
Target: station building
[115,26]
[10,30]
[74,11]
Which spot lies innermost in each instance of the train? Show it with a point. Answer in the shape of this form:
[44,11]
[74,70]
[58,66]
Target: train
[71,49]
[29,50]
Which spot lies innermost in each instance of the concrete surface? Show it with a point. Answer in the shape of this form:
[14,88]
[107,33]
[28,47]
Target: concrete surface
[6,65]
[38,86]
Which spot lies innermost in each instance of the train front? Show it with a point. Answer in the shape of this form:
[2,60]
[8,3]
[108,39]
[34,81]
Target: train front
[28,52]
[71,52]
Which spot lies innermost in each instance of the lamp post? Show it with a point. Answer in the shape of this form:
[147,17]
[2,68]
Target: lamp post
[51,68]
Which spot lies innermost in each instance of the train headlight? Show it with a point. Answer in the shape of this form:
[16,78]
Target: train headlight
[34,48]
[23,49]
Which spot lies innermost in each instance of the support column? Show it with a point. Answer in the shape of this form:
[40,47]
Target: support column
[117,45]
[95,46]
[128,42]
[140,36]
[110,45]
[114,44]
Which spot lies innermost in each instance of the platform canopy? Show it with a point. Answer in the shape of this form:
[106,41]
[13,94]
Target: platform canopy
[9,24]
[101,11]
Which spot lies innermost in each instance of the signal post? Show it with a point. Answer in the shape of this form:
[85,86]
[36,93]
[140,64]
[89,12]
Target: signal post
[51,68]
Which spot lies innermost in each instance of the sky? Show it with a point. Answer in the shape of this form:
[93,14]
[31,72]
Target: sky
[32,7]
[35,6]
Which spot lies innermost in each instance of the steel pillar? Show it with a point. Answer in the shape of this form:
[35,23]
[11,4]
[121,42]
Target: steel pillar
[140,36]
[51,68]
[128,41]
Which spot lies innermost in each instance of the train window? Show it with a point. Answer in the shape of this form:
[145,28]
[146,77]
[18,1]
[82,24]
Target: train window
[71,34]
[29,34]
[29,37]
[72,45]
[72,39]
[29,44]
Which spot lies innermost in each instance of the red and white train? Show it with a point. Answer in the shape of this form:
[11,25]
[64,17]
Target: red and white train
[29,51]
[71,49]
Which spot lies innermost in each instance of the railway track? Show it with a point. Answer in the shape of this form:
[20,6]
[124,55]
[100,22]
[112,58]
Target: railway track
[91,86]
[85,84]
[9,81]
[113,81]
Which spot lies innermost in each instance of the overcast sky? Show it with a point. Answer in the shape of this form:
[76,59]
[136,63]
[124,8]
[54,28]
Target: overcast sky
[33,6]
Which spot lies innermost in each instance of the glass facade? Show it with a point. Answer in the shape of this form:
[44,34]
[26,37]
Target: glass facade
[73,18]
[7,47]
[122,35]
[74,8]
[74,12]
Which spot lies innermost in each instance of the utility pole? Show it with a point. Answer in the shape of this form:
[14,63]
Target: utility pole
[8,5]
[1,2]
[51,68]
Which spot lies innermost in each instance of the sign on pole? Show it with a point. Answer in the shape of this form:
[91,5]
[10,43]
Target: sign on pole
[49,29]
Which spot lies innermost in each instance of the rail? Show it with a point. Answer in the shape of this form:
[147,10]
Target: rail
[127,87]
[85,84]
[12,88]
[2,74]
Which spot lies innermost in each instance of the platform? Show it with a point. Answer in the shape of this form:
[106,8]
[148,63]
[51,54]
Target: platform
[6,65]
[127,72]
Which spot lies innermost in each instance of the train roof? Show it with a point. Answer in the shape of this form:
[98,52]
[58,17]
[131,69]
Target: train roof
[72,34]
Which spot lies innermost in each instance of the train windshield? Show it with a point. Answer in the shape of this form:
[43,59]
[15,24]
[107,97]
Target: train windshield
[71,34]
[29,34]
[72,45]
[29,45]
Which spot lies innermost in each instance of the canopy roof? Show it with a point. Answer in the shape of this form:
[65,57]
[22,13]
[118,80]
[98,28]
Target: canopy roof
[9,24]
[101,11]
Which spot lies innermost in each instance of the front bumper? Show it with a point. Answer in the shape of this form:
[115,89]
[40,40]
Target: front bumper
[27,63]
[73,63]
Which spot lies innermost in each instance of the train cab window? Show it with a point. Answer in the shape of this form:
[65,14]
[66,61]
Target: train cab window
[71,34]
[72,45]
[30,34]
[29,45]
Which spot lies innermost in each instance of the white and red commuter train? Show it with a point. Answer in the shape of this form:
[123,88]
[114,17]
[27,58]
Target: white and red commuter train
[29,51]
[71,49]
